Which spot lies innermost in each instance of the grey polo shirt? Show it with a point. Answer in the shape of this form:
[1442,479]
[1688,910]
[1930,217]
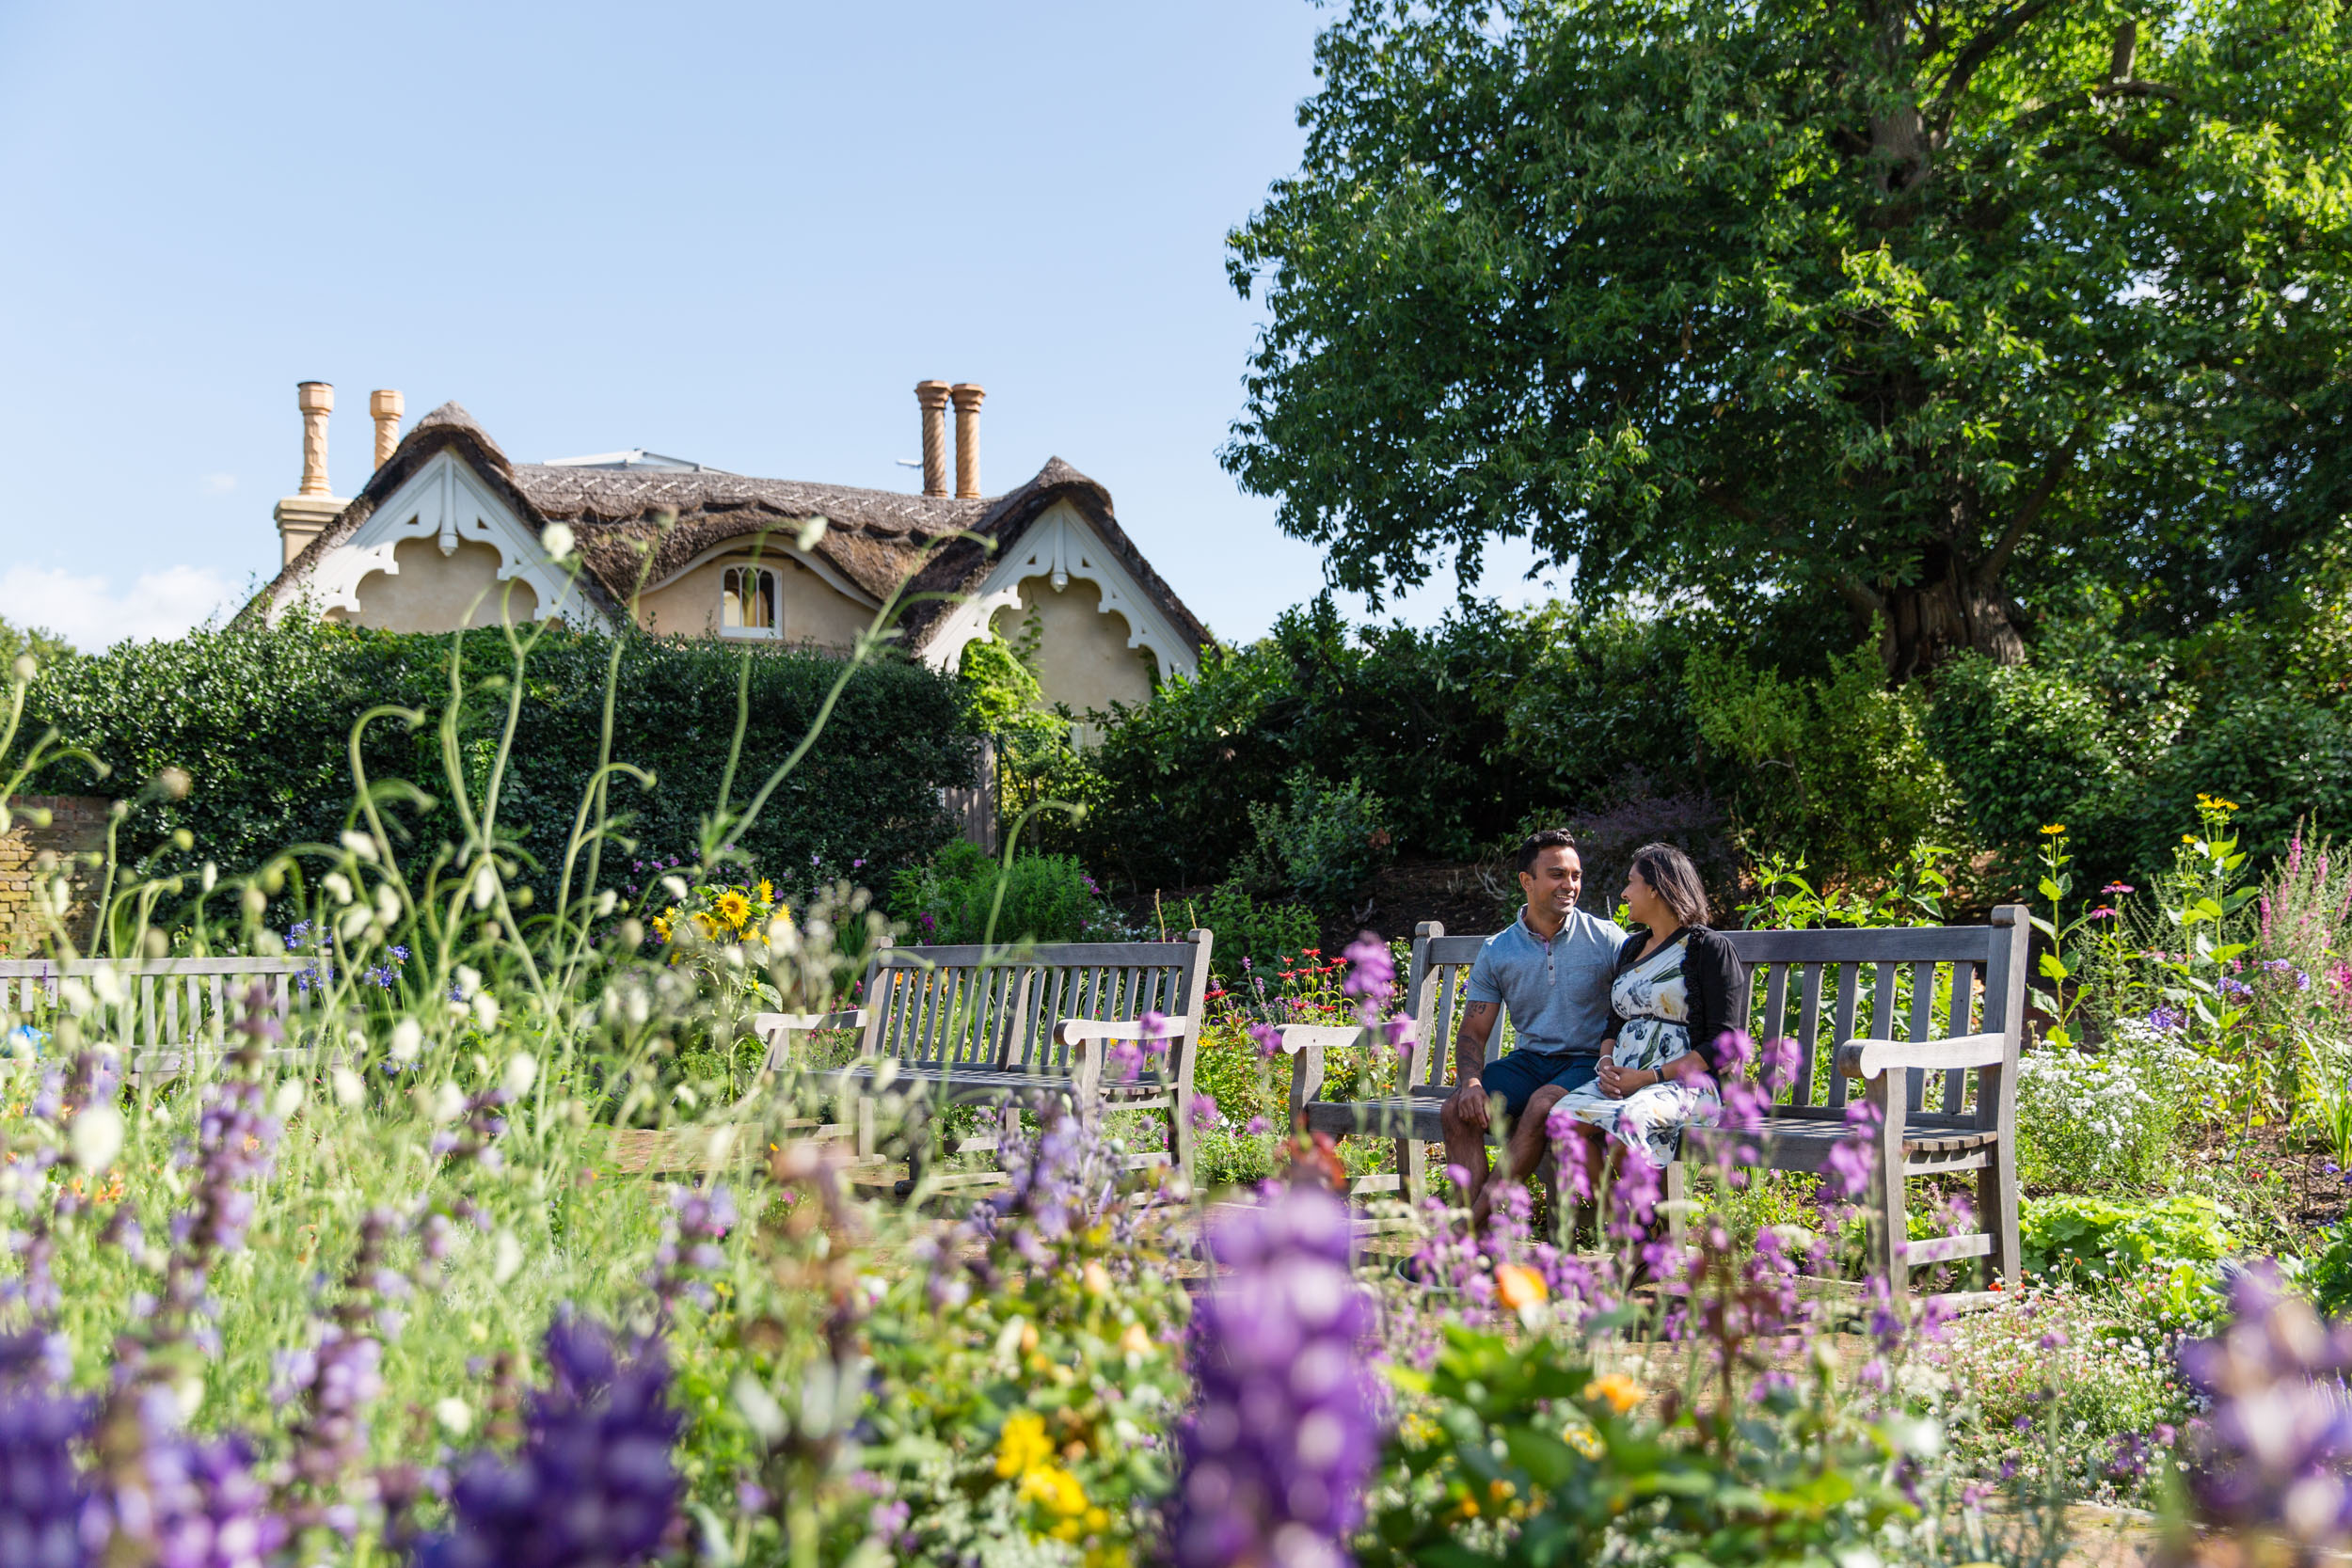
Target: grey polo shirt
[1556,992]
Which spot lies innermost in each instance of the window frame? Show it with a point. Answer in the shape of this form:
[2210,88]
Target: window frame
[773,583]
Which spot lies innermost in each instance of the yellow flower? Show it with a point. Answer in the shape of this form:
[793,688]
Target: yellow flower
[1621,1391]
[1054,1489]
[2052,830]
[661,928]
[1135,1342]
[1519,1287]
[734,908]
[709,927]
[1584,1440]
[1024,1446]
[766,891]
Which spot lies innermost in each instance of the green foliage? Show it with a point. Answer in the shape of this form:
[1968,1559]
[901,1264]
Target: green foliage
[1859,307]
[261,719]
[1521,1455]
[1266,934]
[2107,1239]
[956,898]
[1321,843]
[1837,760]
[31,641]
[2328,1274]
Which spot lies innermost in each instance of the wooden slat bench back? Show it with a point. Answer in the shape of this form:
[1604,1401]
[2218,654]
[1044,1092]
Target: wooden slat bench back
[164,1013]
[974,1024]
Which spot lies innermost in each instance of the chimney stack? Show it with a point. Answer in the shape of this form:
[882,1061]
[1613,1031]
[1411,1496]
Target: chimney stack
[932,396]
[384,407]
[304,516]
[967,395]
[316,399]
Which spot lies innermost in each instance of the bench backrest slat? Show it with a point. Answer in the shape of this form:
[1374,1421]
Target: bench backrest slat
[163,1005]
[973,1007]
[1960,1013]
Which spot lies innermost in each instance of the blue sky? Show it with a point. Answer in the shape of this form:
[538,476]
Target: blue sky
[738,234]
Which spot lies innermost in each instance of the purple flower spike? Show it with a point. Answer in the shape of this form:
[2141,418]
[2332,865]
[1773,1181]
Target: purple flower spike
[594,1483]
[2276,1451]
[1371,976]
[1275,1459]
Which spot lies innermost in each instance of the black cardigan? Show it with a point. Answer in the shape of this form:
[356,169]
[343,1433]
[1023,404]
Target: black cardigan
[1714,979]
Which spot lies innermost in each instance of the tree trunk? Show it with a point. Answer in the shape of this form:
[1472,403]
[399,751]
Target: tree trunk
[1947,609]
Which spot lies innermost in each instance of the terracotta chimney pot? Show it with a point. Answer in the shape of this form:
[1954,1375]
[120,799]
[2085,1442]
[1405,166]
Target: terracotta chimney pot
[316,399]
[932,396]
[386,406]
[967,395]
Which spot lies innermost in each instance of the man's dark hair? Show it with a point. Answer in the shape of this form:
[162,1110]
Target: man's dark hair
[1550,838]
[1673,878]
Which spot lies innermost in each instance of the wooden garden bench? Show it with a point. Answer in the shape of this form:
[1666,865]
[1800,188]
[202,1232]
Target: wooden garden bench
[1941,1069]
[966,1025]
[166,1015]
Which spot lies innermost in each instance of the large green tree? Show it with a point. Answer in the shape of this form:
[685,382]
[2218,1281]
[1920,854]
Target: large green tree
[1922,307]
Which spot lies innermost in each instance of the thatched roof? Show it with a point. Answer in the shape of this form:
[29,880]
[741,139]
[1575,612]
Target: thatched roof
[878,539]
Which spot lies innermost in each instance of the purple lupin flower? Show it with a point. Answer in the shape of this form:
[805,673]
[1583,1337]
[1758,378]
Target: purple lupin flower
[1848,1166]
[2275,1450]
[170,1501]
[1371,976]
[594,1484]
[44,1497]
[1275,1458]
[691,1233]
[1572,1153]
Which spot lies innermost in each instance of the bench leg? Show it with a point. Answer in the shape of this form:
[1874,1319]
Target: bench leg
[1890,1230]
[1180,1134]
[1996,1211]
[861,1111]
[1412,1169]
[1678,1194]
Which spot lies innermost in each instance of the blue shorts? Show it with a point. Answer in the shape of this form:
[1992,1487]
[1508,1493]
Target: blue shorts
[1516,1075]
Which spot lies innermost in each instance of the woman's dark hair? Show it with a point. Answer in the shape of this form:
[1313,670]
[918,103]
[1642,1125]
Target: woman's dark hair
[1548,838]
[1674,879]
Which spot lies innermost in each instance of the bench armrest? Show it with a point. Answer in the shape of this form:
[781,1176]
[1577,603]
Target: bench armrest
[1084,1039]
[778,1028]
[1868,1058]
[1305,1044]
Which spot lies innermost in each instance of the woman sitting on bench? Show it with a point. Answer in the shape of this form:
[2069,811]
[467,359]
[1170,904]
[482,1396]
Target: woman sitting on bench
[1675,992]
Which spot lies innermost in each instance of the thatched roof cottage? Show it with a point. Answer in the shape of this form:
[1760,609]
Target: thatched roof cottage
[448,532]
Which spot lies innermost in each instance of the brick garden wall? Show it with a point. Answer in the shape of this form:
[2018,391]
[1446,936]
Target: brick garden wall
[78,826]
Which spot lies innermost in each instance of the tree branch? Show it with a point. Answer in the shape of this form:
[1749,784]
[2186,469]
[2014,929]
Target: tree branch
[1979,49]
[1860,594]
[2028,513]
[2136,90]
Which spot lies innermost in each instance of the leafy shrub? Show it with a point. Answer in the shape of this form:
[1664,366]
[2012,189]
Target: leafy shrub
[955,898]
[2107,1118]
[2105,1239]
[1252,936]
[1321,843]
[1837,760]
[261,719]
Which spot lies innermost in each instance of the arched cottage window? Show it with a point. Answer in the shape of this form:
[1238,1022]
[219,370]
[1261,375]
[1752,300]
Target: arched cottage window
[747,603]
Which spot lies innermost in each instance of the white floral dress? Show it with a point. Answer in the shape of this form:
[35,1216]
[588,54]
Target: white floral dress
[1651,999]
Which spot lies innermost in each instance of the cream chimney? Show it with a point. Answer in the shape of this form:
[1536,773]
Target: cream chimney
[967,395]
[384,407]
[304,516]
[316,399]
[932,396]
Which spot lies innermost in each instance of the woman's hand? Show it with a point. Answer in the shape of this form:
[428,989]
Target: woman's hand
[1617,1082]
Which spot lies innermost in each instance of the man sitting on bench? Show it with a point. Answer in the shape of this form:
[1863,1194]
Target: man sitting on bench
[1552,968]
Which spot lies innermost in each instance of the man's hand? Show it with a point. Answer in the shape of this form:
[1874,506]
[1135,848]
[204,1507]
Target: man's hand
[1470,1102]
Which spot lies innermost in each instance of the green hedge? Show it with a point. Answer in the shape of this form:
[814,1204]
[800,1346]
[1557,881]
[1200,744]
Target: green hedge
[1707,731]
[259,719]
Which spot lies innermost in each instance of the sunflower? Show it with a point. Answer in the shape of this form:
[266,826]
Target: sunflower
[766,891]
[734,908]
[661,928]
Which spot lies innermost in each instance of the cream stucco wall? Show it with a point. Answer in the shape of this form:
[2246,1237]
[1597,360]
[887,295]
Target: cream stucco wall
[432,591]
[1082,656]
[814,610]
